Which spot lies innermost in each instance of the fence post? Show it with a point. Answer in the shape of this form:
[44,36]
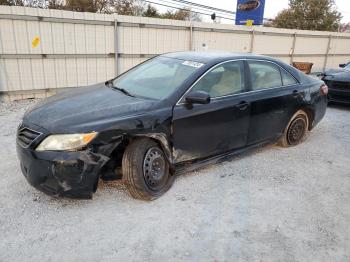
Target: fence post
[116,46]
[293,48]
[191,36]
[327,52]
[252,41]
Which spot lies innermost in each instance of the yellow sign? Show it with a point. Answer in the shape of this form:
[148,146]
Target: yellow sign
[35,42]
[249,22]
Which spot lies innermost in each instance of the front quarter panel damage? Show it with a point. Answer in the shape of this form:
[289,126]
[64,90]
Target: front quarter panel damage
[72,170]
[75,173]
[156,125]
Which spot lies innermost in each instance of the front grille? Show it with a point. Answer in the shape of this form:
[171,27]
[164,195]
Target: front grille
[345,86]
[26,136]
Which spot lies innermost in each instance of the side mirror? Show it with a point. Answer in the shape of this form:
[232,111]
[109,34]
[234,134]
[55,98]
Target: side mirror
[198,97]
[342,65]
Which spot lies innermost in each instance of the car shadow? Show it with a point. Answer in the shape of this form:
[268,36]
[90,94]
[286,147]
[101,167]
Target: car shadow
[235,157]
[108,186]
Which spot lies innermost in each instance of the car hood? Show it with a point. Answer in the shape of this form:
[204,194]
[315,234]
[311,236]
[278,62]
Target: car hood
[337,75]
[85,109]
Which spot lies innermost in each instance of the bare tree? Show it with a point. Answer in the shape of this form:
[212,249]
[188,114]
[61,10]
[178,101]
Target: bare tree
[121,7]
[56,4]
[12,2]
[182,14]
[345,28]
[127,7]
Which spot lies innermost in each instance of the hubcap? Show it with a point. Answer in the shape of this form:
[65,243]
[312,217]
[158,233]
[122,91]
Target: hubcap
[154,169]
[296,131]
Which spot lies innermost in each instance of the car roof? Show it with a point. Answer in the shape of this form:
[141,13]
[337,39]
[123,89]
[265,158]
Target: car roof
[213,56]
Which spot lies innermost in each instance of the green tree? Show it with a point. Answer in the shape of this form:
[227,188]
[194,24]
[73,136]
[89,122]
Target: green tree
[151,12]
[320,15]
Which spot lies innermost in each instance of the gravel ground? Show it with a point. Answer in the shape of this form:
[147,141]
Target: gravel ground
[273,204]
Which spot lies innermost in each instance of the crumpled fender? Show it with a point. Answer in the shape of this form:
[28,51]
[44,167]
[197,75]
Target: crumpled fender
[75,169]
[77,172]
[163,140]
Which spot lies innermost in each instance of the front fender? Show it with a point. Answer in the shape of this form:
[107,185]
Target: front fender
[163,140]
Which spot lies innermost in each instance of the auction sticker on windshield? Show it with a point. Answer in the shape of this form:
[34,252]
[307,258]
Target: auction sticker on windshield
[193,64]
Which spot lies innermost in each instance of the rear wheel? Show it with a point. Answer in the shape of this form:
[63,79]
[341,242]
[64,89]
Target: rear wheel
[296,130]
[146,169]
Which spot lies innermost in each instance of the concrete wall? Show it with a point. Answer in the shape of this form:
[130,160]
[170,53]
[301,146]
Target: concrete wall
[77,49]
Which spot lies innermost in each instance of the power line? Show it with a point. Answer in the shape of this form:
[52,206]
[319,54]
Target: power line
[213,8]
[184,9]
[222,14]
[193,8]
[205,6]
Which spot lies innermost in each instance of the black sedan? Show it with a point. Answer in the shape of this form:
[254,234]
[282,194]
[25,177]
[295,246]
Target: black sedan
[172,113]
[338,81]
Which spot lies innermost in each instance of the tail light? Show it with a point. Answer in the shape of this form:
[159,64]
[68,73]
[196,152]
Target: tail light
[324,89]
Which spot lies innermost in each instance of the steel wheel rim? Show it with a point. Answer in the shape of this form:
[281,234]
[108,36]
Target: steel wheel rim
[296,131]
[154,169]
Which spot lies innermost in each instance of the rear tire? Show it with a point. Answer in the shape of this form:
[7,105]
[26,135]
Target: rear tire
[146,170]
[296,130]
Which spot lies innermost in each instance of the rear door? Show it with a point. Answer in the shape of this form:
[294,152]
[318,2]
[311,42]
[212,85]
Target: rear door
[203,130]
[274,97]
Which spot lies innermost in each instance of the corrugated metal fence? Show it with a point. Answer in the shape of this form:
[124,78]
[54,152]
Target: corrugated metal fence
[76,49]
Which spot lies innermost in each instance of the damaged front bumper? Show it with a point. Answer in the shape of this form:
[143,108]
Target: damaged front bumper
[70,174]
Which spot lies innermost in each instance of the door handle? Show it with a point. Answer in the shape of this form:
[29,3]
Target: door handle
[295,93]
[242,105]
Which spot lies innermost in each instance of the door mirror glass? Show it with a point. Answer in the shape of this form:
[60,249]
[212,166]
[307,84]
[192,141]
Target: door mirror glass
[342,65]
[198,97]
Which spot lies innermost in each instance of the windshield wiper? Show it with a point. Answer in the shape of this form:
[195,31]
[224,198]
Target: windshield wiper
[110,84]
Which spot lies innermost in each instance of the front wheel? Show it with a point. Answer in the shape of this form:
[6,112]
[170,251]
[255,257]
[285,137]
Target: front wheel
[296,130]
[146,169]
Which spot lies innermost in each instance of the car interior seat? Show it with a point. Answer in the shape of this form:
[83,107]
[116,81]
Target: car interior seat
[229,83]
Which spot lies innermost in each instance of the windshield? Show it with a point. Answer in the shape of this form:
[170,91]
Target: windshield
[347,66]
[157,78]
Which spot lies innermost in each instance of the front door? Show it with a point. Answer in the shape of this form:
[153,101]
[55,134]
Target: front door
[204,130]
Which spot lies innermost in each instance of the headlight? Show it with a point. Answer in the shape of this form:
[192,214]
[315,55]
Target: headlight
[65,142]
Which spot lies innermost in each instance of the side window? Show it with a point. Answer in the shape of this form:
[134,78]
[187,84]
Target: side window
[226,79]
[264,75]
[287,79]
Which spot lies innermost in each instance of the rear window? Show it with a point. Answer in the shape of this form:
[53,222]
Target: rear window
[287,79]
[264,75]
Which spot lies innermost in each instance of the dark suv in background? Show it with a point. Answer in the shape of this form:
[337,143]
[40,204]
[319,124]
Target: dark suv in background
[338,82]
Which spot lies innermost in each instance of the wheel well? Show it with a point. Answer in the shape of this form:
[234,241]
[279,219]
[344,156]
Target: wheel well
[116,156]
[310,115]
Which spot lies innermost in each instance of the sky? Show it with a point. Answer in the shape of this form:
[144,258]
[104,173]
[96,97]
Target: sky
[272,7]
